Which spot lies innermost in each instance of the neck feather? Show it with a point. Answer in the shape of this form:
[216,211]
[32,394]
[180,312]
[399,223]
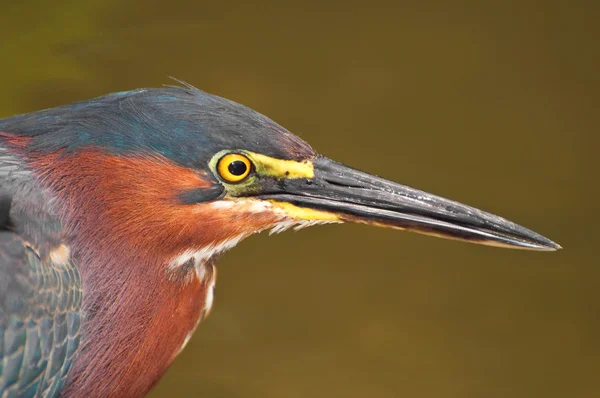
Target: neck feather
[125,230]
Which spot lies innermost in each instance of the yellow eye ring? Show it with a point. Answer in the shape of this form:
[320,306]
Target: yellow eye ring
[234,167]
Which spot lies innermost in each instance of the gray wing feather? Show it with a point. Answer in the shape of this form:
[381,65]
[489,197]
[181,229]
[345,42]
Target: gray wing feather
[40,291]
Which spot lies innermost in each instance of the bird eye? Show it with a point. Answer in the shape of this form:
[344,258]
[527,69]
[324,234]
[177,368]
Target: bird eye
[234,167]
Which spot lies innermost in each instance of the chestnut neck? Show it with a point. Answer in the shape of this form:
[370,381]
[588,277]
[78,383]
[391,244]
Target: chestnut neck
[124,227]
[137,314]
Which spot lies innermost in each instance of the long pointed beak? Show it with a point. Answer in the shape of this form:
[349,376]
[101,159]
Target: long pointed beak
[354,196]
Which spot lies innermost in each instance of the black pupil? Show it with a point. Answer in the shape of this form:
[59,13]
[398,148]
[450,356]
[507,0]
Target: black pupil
[237,167]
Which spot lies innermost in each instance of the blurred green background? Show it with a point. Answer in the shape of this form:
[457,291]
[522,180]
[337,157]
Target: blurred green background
[495,105]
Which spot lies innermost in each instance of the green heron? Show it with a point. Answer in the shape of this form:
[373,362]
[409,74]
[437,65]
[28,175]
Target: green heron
[113,212]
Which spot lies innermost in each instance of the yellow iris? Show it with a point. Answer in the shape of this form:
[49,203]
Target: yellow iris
[234,167]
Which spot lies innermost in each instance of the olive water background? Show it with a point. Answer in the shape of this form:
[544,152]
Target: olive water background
[495,104]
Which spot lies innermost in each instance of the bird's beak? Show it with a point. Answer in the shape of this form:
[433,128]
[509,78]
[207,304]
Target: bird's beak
[349,195]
